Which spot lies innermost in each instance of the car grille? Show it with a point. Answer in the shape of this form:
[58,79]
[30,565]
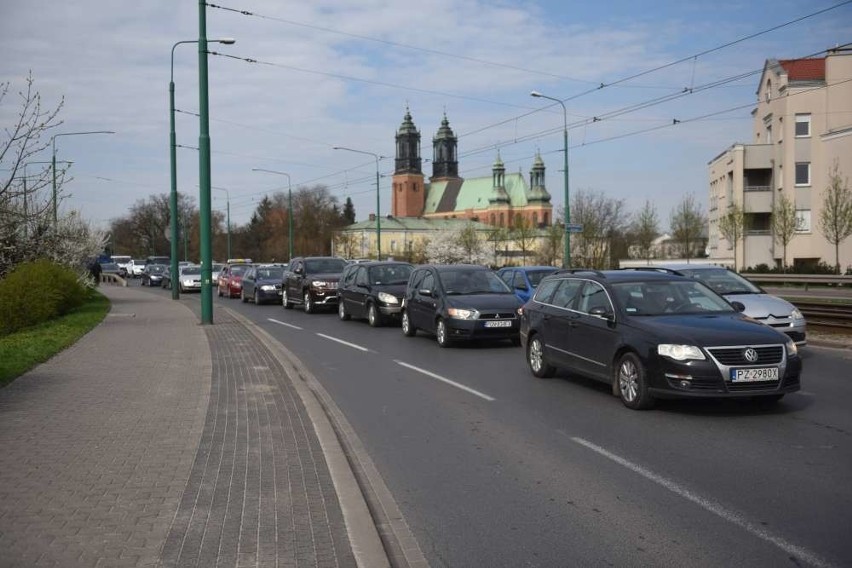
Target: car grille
[729,356]
[497,316]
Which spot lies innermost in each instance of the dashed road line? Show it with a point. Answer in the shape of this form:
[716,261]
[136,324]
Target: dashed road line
[446,380]
[352,345]
[711,506]
[284,324]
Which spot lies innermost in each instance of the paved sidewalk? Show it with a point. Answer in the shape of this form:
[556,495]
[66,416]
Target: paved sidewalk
[155,441]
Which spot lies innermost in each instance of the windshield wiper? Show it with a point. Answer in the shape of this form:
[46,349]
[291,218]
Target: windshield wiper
[732,292]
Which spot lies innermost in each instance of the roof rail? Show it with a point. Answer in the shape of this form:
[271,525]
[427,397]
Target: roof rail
[580,270]
[652,269]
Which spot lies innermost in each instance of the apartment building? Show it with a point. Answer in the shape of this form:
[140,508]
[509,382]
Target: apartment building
[802,126]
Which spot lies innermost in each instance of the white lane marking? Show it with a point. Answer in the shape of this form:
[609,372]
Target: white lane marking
[446,380]
[352,345]
[711,506]
[283,323]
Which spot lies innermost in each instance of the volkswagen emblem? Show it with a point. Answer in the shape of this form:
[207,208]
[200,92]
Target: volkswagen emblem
[750,355]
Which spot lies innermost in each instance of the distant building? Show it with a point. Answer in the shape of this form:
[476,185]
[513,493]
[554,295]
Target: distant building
[498,199]
[802,127]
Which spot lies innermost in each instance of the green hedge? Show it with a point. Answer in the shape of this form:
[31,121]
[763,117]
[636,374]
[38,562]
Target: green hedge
[34,292]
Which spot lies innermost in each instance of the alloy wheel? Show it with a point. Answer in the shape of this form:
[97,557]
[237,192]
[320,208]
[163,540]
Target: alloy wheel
[373,316]
[309,304]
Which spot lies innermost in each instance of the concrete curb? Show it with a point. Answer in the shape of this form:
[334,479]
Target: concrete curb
[363,535]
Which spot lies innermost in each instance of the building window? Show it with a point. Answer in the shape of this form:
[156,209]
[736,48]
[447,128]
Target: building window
[501,219]
[393,246]
[535,219]
[803,126]
[545,218]
[803,173]
[493,219]
[768,135]
[803,220]
[768,91]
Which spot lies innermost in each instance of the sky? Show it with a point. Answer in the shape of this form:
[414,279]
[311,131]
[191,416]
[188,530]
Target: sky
[304,77]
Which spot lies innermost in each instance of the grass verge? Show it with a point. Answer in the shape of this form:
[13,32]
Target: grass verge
[21,351]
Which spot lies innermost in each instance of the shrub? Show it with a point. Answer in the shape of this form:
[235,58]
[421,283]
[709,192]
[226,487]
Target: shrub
[35,292]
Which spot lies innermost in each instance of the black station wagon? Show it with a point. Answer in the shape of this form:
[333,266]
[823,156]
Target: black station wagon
[653,335]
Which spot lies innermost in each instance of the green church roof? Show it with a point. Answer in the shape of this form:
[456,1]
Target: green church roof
[416,224]
[472,193]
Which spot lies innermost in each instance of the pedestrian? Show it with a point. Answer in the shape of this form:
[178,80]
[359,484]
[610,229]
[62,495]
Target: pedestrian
[95,270]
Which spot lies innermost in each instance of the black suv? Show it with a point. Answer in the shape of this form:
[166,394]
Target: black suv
[373,290]
[460,302]
[654,335]
[312,282]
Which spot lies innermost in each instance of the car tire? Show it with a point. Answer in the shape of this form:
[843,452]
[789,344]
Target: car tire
[408,330]
[374,318]
[442,334]
[243,298]
[309,304]
[633,382]
[219,291]
[341,311]
[288,305]
[256,299]
[537,360]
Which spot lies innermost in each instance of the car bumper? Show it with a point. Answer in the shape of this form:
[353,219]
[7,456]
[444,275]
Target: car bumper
[187,286]
[476,329]
[703,379]
[391,312]
[323,297]
[267,295]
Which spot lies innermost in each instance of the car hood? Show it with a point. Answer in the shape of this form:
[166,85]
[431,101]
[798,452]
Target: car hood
[762,305]
[709,329]
[397,290]
[483,302]
[328,277]
[267,281]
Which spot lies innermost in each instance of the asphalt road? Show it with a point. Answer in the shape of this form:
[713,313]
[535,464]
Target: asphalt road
[492,467]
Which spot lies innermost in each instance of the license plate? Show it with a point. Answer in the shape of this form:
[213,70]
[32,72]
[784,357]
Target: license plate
[754,375]
[498,323]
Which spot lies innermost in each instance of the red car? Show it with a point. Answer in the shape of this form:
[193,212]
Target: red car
[230,282]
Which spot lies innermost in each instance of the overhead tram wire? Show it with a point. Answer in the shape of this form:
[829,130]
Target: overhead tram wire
[403,45]
[368,81]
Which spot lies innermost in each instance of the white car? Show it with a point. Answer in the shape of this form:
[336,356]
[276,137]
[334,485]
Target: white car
[135,267]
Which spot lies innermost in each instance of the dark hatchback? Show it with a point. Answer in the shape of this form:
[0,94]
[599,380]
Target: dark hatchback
[373,290]
[460,302]
[653,335]
[262,284]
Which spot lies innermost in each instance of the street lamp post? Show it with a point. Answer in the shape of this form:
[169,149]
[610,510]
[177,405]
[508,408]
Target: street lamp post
[173,199]
[228,222]
[53,164]
[566,257]
[289,208]
[25,178]
[378,199]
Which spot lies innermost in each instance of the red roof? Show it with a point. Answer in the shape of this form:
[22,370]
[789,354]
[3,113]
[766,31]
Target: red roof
[804,69]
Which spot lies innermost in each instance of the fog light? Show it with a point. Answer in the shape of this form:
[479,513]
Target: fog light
[685,384]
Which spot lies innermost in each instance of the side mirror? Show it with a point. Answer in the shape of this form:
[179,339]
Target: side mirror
[739,306]
[425,292]
[602,312]
[298,270]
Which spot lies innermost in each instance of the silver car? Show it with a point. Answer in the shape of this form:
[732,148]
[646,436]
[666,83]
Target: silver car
[765,308]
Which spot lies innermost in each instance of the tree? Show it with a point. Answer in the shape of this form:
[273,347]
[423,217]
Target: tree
[646,228]
[470,243]
[346,244]
[26,202]
[731,226]
[497,237]
[688,222]
[601,218]
[523,234]
[835,219]
[550,250]
[785,224]
[348,212]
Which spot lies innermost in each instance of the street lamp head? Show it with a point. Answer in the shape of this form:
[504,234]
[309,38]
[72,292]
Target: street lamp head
[535,94]
[225,40]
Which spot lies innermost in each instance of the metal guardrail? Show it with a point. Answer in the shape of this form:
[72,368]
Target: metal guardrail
[835,317]
[801,279]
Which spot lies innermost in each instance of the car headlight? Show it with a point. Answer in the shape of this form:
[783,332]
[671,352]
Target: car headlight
[461,314]
[388,298]
[792,348]
[268,288]
[796,315]
[319,284]
[187,282]
[680,352]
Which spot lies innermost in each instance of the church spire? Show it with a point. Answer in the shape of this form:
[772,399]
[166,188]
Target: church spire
[407,147]
[445,162]
[538,191]
[498,183]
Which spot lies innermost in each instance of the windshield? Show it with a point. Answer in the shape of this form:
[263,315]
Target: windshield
[191,270]
[217,267]
[238,270]
[156,268]
[535,276]
[322,265]
[722,281]
[390,274]
[466,281]
[270,273]
[655,298]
